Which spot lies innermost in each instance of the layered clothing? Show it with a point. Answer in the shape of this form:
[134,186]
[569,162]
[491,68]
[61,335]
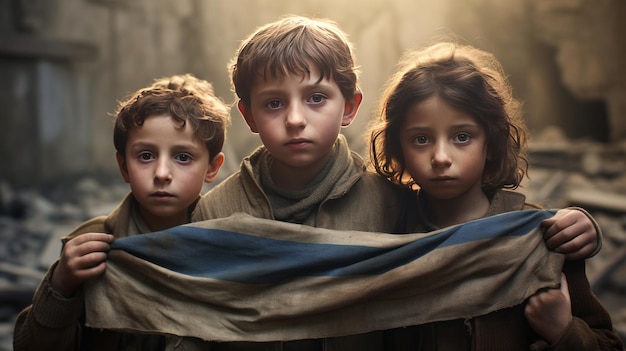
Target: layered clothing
[55,322]
[507,329]
[344,196]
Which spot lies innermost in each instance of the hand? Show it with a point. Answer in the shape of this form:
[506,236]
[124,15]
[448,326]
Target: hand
[572,233]
[550,311]
[83,257]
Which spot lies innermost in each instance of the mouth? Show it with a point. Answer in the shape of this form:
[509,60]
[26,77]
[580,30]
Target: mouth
[443,179]
[161,195]
[298,143]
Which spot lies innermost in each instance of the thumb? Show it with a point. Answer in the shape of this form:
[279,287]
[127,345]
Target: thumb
[565,287]
[548,222]
[547,225]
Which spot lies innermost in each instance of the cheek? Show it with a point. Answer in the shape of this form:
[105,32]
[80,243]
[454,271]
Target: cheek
[476,164]
[194,176]
[415,163]
[139,175]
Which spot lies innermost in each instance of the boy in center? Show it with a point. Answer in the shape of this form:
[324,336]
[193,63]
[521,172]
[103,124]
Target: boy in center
[297,86]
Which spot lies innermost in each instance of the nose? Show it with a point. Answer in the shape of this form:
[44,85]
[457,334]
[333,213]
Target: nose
[441,155]
[163,171]
[295,116]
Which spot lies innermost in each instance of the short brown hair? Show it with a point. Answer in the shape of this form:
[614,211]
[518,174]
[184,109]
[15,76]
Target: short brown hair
[289,46]
[470,80]
[186,99]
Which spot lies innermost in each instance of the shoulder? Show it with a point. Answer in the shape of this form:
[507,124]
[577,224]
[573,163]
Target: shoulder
[115,223]
[375,203]
[94,225]
[383,187]
[237,193]
[507,201]
[226,190]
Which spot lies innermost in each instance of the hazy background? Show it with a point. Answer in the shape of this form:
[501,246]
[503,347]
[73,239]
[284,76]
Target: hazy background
[64,64]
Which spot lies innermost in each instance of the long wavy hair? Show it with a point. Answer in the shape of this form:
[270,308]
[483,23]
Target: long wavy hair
[470,80]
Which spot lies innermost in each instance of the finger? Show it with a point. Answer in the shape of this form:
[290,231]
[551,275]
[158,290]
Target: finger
[91,272]
[83,238]
[91,259]
[585,242]
[87,248]
[76,264]
[578,234]
[556,224]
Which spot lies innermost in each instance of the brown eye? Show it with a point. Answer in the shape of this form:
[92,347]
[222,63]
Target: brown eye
[183,158]
[317,98]
[274,104]
[462,137]
[420,140]
[145,156]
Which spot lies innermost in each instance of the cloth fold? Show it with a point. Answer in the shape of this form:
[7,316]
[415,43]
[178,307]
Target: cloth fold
[243,278]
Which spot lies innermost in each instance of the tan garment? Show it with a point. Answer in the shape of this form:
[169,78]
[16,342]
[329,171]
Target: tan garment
[508,329]
[53,322]
[358,200]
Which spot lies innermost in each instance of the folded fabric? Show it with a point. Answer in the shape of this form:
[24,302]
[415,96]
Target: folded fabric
[248,279]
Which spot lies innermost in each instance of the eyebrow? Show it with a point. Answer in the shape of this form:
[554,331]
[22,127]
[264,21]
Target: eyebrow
[417,127]
[466,125]
[141,144]
[186,145]
[315,85]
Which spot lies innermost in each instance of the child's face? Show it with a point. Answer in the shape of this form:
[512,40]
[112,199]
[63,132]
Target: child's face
[166,167]
[444,149]
[298,120]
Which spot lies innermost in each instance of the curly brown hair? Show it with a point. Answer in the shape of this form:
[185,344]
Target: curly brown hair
[186,99]
[468,79]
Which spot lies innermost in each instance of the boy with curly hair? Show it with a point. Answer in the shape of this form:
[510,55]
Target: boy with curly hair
[168,137]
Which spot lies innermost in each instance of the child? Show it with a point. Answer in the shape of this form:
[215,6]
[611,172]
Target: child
[448,123]
[296,83]
[168,137]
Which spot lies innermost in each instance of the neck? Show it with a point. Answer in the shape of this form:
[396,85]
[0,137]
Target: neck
[296,178]
[158,223]
[447,212]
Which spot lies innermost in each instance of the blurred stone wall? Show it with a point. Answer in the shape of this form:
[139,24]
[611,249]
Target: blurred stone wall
[590,42]
[563,56]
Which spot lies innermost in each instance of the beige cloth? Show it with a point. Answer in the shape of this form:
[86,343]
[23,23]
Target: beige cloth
[242,287]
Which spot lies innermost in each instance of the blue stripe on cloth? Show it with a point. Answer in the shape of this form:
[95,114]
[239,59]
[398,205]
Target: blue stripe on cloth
[245,258]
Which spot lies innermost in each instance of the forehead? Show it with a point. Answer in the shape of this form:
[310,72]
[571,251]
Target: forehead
[278,72]
[288,79]
[435,112]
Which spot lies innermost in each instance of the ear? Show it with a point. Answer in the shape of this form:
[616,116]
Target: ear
[247,115]
[351,108]
[214,168]
[121,164]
